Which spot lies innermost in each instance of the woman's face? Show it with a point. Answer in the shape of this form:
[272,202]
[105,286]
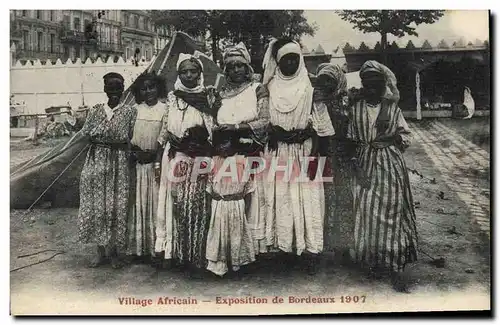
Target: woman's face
[149,92]
[373,85]
[236,71]
[114,88]
[326,84]
[189,74]
[289,64]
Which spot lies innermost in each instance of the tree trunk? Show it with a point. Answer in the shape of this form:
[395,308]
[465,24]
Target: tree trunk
[255,45]
[215,47]
[383,48]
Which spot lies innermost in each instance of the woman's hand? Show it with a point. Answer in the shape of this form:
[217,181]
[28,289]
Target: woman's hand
[157,171]
[214,97]
[226,127]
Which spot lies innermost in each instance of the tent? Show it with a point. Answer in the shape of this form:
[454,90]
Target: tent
[353,80]
[54,176]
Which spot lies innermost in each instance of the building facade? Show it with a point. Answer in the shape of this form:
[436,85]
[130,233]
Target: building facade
[64,34]
[138,34]
[53,34]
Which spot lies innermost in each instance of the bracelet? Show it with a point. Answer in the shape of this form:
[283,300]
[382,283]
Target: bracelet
[237,127]
[157,165]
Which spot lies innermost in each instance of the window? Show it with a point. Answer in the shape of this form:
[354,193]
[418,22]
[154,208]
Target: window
[26,40]
[52,43]
[136,22]
[66,52]
[52,14]
[67,22]
[24,13]
[77,52]
[87,54]
[76,24]
[38,14]
[125,19]
[39,44]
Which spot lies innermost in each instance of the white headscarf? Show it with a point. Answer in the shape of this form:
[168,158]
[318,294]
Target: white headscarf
[238,53]
[178,85]
[286,92]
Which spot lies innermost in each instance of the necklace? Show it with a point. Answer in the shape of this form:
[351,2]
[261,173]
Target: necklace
[179,106]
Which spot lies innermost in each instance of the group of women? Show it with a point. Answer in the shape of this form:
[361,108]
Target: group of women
[130,207]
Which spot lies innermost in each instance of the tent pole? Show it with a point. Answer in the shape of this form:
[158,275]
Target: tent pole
[417,96]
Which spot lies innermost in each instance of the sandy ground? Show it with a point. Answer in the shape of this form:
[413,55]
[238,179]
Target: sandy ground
[64,285]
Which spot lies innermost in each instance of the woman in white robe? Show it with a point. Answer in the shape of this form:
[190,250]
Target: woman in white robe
[244,112]
[295,208]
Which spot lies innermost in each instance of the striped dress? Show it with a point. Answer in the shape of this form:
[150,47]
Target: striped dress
[385,233]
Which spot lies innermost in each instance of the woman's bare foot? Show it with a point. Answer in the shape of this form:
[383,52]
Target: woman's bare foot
[117,262]
[99,257]
[400,282]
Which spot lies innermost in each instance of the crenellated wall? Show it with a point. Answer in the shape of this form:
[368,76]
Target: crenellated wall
[40,86]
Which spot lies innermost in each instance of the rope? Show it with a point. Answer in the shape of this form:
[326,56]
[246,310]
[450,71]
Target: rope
[39,262]
[57,178]
[36,253]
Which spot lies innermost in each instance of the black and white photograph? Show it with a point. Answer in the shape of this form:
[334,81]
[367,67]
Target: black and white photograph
[249,162]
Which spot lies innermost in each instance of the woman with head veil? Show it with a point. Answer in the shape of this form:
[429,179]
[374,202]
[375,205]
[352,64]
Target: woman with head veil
[243,120]
[184,206]
[385,234]
[295,207]
[331,91]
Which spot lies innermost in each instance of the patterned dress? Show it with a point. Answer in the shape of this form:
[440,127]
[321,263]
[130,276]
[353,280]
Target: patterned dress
[183,207]
[141,225]
[385,233]
[339,225]
[105,179]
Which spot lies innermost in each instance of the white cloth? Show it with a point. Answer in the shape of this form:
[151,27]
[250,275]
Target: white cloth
[287,49]
[148,125]
[111,111]
[243,108]
[469,103]
[178,85]
[229,239]
[141,223]
[373,112]
[286,93]
[269,63]
[294,209]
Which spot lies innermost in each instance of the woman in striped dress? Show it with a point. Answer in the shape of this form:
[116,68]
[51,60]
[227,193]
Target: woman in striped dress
[385,234]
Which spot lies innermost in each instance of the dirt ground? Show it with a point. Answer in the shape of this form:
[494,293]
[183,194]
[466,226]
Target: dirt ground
[64,284]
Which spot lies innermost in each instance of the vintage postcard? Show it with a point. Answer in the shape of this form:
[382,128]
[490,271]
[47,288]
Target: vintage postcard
[233,162]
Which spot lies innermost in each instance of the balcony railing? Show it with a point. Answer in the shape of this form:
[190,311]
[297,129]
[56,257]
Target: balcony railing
[110,47]
[72,36]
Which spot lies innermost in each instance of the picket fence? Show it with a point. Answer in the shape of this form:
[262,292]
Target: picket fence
[36,86]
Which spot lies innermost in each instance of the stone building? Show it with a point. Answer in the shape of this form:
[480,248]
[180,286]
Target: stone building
[138,34]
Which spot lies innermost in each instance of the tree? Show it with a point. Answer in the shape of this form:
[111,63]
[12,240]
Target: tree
[192,22]
[252,27]
[396,22]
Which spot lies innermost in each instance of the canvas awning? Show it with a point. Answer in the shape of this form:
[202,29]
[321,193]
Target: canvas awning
[55,175]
